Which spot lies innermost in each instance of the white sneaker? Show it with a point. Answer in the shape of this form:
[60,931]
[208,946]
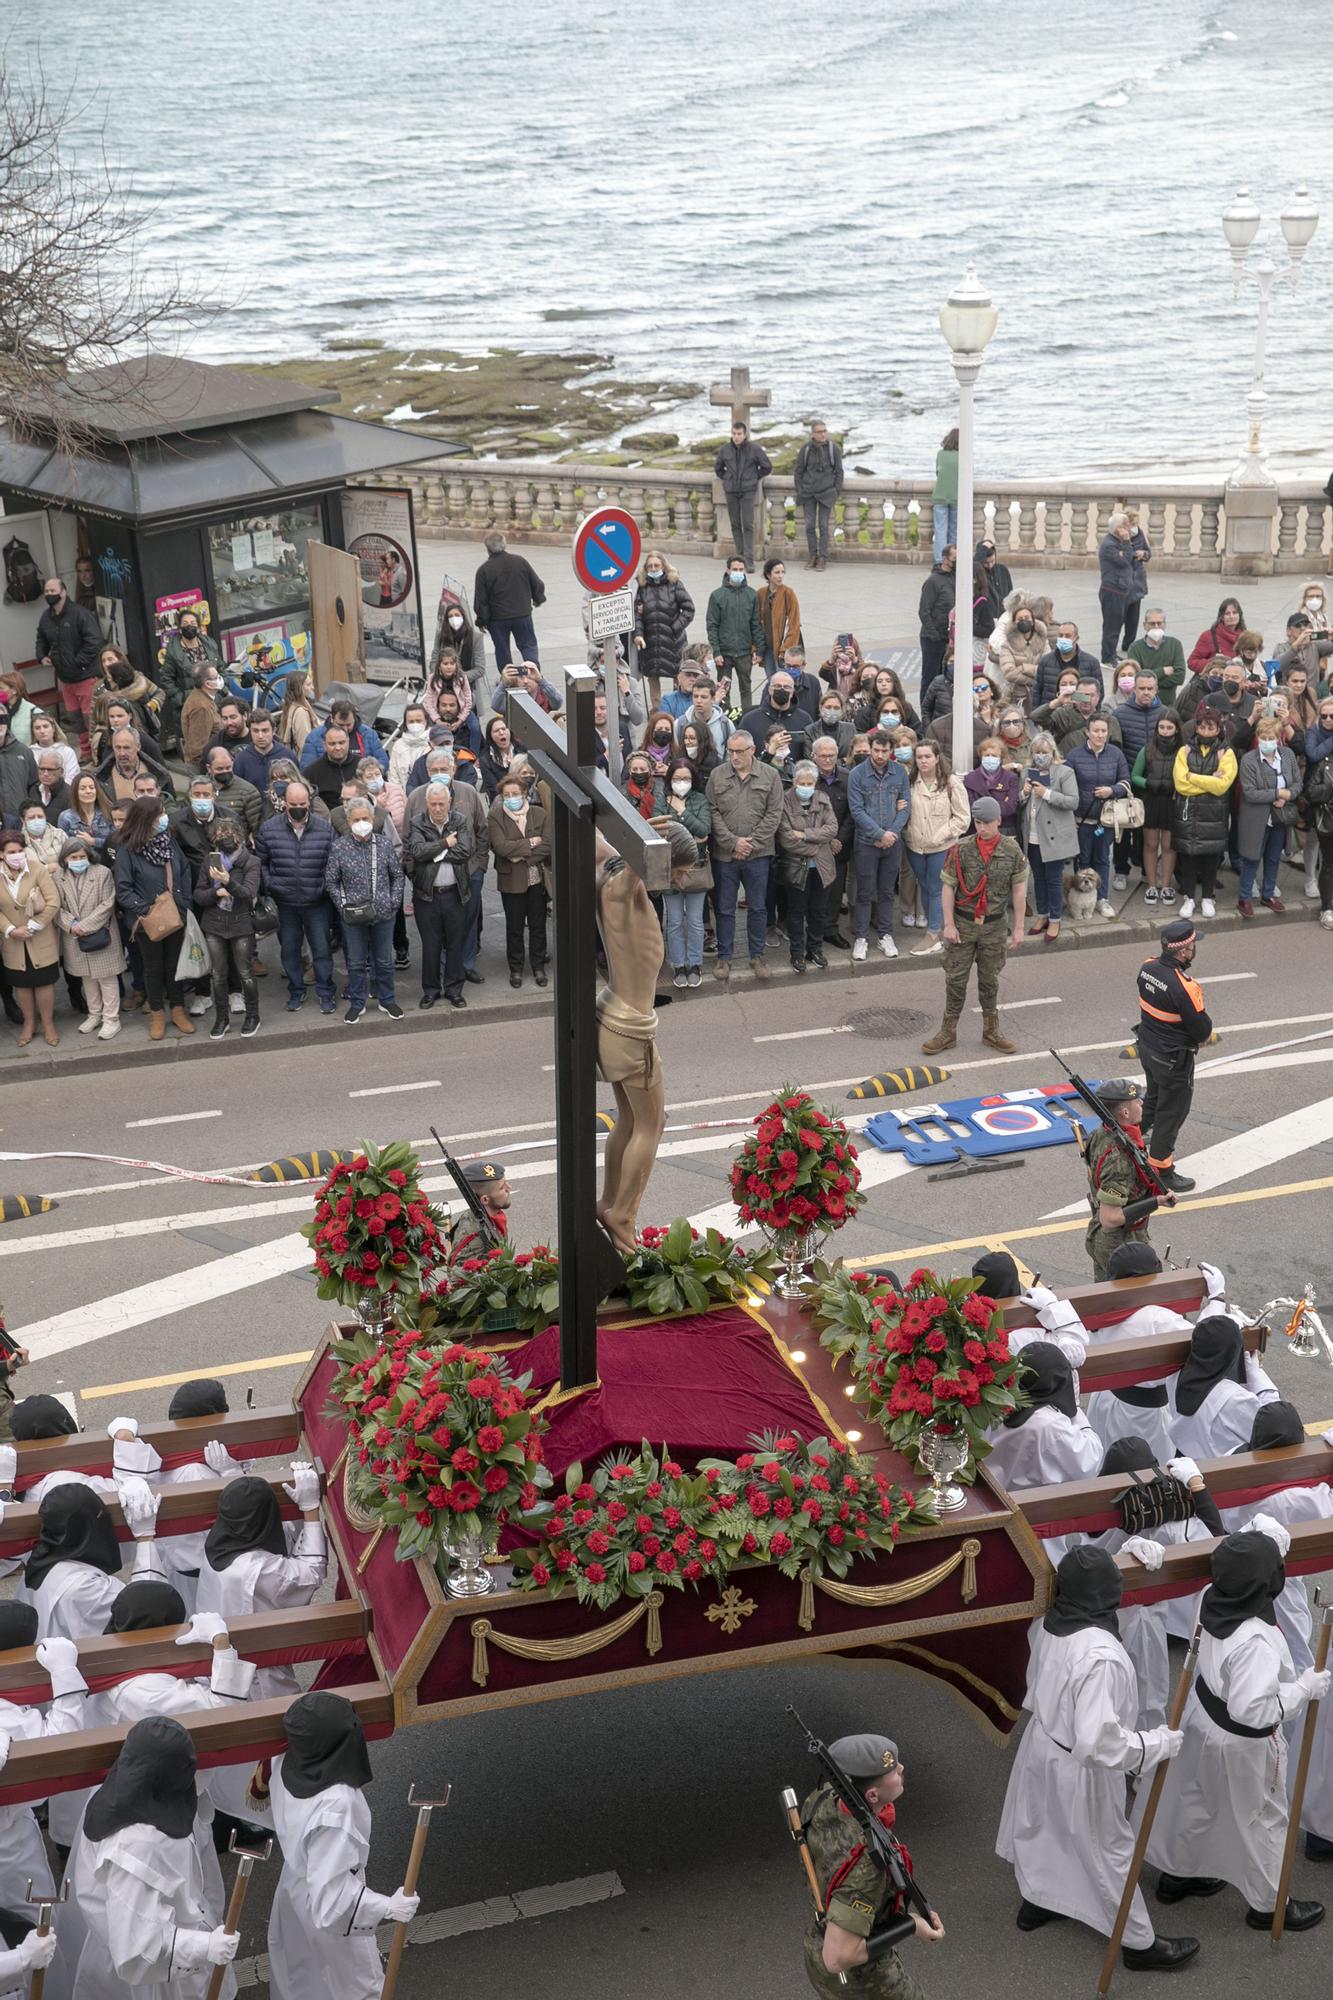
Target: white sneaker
[234,1002]
[1120,881]
[1208,908]
[90,1025]
[1311,889]
[108,1031]
[910,922]
[888,947]
[858,950]
[1187,907]
[1105,909]
[196,1005]
[1326,920]
[929,948]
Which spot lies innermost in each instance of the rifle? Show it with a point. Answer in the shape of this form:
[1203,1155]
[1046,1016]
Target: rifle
[465,1188]
[880,1844]
[1084,1091]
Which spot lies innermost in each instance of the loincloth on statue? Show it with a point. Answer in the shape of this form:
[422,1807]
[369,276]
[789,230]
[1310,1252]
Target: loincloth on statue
[626,1043]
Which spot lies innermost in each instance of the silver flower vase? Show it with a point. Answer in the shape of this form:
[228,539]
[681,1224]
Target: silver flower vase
[796,1250]
[375,1311]
[943,1451]
[466,1574]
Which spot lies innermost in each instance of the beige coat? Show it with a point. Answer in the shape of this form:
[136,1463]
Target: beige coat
[1018,660]
[89,900]
[32,895]
[940,816]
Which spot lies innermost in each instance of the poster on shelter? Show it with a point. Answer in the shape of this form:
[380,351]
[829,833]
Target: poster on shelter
[26,560]
[377,525]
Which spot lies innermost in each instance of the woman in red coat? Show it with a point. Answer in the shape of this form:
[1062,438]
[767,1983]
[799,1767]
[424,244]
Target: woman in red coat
[1220,637]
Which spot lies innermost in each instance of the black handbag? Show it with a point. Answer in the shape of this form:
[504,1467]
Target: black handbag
[98,940]
[265,916]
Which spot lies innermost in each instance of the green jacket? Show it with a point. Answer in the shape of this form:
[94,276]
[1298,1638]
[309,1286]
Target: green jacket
[946,479]
[1167,661]
[734,626]
[1008,865]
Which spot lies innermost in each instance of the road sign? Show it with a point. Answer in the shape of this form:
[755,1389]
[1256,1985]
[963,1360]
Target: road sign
[607,546]
[981,1128]
[609,616]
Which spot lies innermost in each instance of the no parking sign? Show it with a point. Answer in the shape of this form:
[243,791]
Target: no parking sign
[607,546]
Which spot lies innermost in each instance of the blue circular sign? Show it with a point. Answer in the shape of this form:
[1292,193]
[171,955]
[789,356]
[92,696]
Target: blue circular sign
[607,546]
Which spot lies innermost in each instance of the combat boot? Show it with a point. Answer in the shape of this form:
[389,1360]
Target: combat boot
[991,1036]
[943,1038]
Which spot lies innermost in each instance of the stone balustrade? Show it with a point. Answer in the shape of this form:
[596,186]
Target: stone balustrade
[1052,524]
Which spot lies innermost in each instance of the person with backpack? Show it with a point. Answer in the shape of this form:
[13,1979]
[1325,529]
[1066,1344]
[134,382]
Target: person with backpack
[69,641]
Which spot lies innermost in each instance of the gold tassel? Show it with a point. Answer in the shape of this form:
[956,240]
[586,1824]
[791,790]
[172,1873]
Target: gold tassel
[654,1635]
[971,1550]
[481,1665]
[805,1617]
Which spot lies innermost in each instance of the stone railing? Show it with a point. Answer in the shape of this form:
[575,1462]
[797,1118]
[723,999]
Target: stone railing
[1051,524]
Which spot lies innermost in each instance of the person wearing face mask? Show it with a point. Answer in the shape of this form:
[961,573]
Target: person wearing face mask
[780,708]
[1204,778]
[153,874]
[1050,793]
[521,849]
[834,721]
[1137,713]
[663,609]
[1065,653]
[18,771]
[1270,786]
[69,640]
[659,736]
[683,904]
[879,803]
[1314,603]
[1159,650]
[224,897]
[735,631]
[643,788]
[294,849]
[199,718]
[364,880]
[188,648]
[1153,778]
[1022,643]
[447,677]
[437,856]
[90,943]
[29,941]
[1015,739]
[1173,1024]
[990,780]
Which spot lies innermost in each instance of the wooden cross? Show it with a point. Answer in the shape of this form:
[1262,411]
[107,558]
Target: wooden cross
[741,396]
[585,803]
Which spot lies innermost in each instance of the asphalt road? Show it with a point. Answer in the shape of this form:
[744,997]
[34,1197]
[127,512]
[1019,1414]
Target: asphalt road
[671,1791]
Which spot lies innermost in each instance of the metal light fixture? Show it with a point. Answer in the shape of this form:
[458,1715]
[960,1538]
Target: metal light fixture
[1299,220]
[968,318]
[1241,223]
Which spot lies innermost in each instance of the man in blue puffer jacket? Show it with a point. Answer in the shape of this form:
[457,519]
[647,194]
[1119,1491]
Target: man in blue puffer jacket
[293,850]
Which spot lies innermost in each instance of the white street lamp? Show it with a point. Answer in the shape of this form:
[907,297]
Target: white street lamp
[967,320]
[1240,225]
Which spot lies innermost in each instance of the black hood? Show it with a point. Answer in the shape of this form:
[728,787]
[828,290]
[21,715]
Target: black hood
[1275,1424]
[1128,1454]
[72,1526]
[1133,1260]
[151,1783]
[247,1518]
[203,1398]
[326,1746]
[1217,1354]
[41,1417]
[143,1606]
[1047,1378]
[998,1274]
[18,1624]
[1088,1589]
[1247,1576]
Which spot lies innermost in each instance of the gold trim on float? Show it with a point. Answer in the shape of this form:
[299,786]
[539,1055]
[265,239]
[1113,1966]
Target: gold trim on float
[556,1396]
[576,1648]
[878,1596]
[836,1433]
[964,1674]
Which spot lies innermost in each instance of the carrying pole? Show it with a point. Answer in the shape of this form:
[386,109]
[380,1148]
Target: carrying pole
[1302,1770]
[425,1807]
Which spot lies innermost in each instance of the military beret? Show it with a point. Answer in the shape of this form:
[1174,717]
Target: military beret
[986,809]
[864,1757]
[479,1172]
[1179,932]
[1118,1090]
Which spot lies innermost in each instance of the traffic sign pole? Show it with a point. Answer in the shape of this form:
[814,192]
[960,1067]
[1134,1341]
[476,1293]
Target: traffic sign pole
[606,550]
[611,683]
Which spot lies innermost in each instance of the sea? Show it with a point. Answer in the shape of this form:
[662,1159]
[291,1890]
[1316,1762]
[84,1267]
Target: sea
[794,185]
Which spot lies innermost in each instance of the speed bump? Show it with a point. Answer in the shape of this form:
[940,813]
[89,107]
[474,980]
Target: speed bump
[605,1121]
[895,1082]
[16,1207]
[300,1167]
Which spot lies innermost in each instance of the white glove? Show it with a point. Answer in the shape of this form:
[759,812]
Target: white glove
[130,1424]
[1316,1684]
[202,1630]
[219,1460]
[9,1464]
[1037,1296]
[1254,1372]
[139,1504]
[60,1657]
[232,1676]
[221,1949]
[36,1950]
[1172,1744]
[400,1908]
[1213,1280]
[304,1489]
[1148,1553]
[1184,1469]
[1265,1524]
[5,1740]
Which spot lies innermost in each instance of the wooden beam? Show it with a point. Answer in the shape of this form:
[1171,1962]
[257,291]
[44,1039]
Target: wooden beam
[1123,1364]
[1184,1290]
[182,1510]
[266,1433]
[574,755]
[1185,1565]
[1089,1504]
[268,1637]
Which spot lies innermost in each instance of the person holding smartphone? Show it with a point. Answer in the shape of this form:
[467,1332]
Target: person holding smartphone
[224,898]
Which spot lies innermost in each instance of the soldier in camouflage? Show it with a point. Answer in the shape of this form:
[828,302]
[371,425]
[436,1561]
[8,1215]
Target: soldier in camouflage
[984,888]
[1120,1194]
[859,1899]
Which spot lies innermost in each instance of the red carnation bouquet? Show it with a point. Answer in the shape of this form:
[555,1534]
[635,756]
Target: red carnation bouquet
[634,1525]
[374,1234]
[797,1171]
[499,1286]
[934,1352]
[802,1505]
[444,1439]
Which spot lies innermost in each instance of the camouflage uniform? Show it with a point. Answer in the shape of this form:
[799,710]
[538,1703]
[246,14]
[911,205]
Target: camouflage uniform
[987,943]
[1114,1179]
[862,1900]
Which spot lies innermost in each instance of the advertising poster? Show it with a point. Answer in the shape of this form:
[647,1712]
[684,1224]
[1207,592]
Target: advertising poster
[280,641]
[377,524]
[26,561]
[167,615]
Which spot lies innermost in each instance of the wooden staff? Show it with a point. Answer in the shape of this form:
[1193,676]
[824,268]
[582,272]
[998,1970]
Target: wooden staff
[791,1812]
[425,1807]
[246,1858]
[1302,1770]
[44,1906]
[1145,1823]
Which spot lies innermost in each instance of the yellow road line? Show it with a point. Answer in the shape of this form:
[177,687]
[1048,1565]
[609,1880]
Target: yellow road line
[1317,1430]
[297,1360]
[1079,1224]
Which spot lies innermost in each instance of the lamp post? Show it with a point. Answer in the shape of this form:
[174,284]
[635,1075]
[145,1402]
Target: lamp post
[1240,225]
[967,321]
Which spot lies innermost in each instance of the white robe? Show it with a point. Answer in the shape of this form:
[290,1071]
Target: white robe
[1224,1805]
[258,1581]
[183,1555]
[23,1855]
[73,1600]
[137,1893]
[321,1930]
[1292,1504]
[1112,1419]
[1063,1827]
[1047,1450]
[1144,1627]
[1317,1805]
[1224,1420]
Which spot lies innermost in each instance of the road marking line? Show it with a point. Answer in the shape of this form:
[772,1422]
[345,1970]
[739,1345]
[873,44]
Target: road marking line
[802,1035]
[1227,978]
[176,1118]
[296,1360]
[1012,1006]
[392,1089]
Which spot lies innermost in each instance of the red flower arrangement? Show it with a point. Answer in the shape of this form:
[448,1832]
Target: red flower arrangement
[815,1506]
[935,1352]
[374,1234]
[444,1438]
[798,1170]
[634,1525]
[502,1285]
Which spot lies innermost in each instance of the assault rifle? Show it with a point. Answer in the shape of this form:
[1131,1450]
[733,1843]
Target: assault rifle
[879,1842]
[470,1197]
[1084,1091]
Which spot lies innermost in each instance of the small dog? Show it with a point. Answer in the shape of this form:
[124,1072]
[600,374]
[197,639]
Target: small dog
[1081,894]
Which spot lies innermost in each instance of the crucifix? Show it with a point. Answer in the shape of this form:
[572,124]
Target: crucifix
[586,806]
[742,397]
